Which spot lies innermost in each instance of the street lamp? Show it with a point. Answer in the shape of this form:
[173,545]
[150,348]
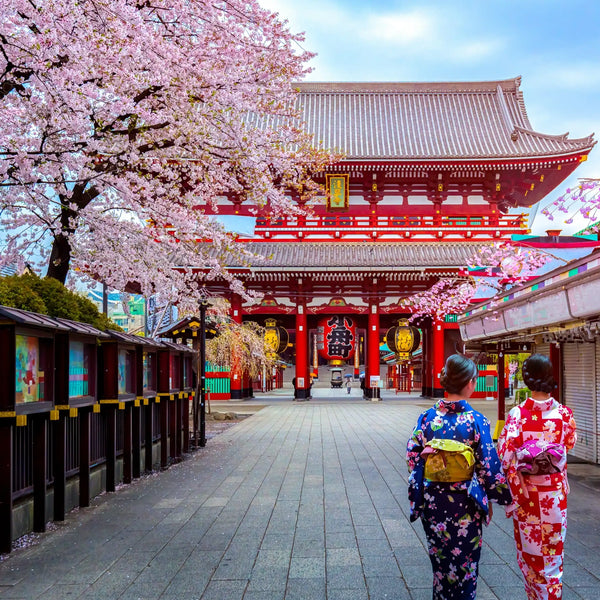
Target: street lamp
[202,372]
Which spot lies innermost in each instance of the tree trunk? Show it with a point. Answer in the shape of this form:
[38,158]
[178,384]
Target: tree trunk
[60,259]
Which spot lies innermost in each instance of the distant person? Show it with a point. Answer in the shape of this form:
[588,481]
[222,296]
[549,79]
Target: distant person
[533,447]
[348,384]
[454,474]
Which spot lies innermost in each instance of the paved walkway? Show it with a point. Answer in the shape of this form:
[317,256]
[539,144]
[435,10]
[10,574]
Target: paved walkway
[300,501]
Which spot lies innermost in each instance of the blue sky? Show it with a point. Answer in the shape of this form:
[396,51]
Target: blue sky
[554,46]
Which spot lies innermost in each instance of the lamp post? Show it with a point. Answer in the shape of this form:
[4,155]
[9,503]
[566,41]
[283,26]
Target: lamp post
[202,372]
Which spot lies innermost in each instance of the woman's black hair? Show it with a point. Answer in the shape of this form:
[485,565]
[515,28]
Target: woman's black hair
[538,375]
[457,373]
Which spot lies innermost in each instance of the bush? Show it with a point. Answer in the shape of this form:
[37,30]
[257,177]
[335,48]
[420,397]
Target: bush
[17,292]
[48,296]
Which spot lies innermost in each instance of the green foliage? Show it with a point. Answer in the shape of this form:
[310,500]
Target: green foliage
[50,297]
[17,292]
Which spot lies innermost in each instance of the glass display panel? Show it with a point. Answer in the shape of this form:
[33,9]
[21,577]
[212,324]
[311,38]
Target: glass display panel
[80,369]
[149,371]
[29,369]
[126,372]
[187,372]
[174,372]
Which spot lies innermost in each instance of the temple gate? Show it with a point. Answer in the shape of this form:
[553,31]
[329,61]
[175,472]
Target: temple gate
[432,172]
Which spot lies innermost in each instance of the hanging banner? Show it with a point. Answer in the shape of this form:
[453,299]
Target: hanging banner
[337,191]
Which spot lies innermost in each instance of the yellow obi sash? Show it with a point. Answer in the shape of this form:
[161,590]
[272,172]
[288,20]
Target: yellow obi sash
[448,461]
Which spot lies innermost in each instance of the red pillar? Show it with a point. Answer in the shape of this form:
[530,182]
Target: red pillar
[439,357]
[372,370]
[427,364]
[556,360]
[302,375]
[501,389]
[236,372]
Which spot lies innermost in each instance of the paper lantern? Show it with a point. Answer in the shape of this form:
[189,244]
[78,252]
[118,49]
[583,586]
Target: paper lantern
[403,339]
[276,337]
[336,338]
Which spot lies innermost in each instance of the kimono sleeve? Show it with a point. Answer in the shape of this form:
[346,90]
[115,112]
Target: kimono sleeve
[415,445]
[569,428]
[489,469]
[416,467]
[510,439]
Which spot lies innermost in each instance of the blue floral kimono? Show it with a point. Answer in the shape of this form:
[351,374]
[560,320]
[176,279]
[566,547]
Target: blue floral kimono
[452,513]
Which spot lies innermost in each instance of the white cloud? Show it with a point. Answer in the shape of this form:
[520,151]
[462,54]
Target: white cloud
[577,77]
[475,50]
[398,29]
[361,32]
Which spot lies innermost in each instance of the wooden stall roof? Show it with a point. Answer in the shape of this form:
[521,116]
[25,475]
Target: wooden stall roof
[177,347]
[129,338]
[413,121]
[187,328]
[24,317]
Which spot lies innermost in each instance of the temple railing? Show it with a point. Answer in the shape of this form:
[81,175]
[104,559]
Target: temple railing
[388,228]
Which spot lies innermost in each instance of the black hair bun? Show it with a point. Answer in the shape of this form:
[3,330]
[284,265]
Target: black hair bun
[538,374]
[457,373]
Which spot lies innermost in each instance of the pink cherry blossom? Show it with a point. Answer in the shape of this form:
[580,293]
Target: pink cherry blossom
[503,264]
[119,119]
[582,200]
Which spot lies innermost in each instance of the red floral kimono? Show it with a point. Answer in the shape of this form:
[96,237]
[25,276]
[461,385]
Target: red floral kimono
[539,508]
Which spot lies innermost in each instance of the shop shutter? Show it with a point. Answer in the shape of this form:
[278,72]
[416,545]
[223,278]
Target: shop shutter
[579,380]
[597,412]
[542,349]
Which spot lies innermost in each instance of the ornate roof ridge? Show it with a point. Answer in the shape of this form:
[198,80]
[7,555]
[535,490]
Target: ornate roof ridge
[394,87]
[561,137]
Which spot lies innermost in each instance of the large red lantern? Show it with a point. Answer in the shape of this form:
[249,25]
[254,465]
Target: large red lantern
[336,338]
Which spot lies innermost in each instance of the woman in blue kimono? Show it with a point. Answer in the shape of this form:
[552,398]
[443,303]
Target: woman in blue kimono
[454,474]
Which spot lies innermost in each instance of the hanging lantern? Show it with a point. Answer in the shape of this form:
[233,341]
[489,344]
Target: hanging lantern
[336,338]
[403,339]
[276,338]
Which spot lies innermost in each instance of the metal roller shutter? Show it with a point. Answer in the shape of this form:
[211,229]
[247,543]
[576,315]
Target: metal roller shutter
[542,349]
[596,411]
[579,380]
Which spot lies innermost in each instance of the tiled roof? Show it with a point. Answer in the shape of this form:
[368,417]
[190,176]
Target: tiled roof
[359,255]
[8,270]
[414,121]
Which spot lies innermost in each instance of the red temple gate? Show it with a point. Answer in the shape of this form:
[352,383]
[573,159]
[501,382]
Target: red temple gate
[430,175]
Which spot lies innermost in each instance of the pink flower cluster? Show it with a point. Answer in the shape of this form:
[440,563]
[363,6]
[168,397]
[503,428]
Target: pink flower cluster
[119,114]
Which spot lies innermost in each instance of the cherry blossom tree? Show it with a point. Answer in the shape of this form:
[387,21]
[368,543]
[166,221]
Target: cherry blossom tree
[119,119]
[449,295]
[584,200]
[510,263]
[498,265]
[242,346]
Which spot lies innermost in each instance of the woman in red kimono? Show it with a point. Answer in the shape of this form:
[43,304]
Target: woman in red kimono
[533,448]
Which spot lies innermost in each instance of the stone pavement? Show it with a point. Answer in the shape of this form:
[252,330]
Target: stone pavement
[300,501]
